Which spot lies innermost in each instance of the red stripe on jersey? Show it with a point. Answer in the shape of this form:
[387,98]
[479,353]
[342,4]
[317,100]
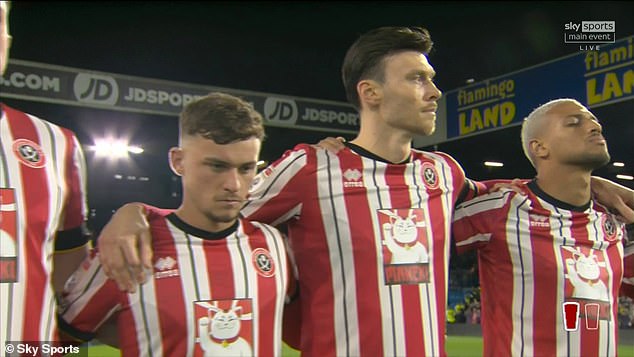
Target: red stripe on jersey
[36,198]
[74,208]
[221,280]
[368,307]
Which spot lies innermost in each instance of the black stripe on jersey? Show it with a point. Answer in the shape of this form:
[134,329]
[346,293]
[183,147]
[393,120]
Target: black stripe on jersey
[191,261]
[331,195]
[146,324]
[277,177]
[519,250]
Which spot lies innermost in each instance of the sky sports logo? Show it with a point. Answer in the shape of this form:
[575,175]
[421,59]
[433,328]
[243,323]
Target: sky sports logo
[590,32]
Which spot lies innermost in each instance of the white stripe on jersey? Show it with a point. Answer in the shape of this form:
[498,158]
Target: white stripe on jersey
[339,244]
[144,307]
[491,201]
[522,266]
[486,237]
[193,277]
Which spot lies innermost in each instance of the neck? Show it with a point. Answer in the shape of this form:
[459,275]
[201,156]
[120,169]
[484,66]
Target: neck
[569,185]
[384,141]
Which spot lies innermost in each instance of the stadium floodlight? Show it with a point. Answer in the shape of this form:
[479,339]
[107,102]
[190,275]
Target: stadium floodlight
[493,164]
[625,177]
[618,164]
[114,148]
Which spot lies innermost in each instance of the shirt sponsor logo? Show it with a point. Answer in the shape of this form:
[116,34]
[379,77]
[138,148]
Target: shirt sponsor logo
[225,327]
[587,283]
[405,246]
[29,153]
[165,268]
[263,262]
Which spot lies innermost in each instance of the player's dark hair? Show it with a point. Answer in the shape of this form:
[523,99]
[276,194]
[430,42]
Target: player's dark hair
[222,118]
[365,58]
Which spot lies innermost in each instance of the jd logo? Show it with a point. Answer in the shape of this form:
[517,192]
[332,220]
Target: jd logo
[96,89]
[280,110]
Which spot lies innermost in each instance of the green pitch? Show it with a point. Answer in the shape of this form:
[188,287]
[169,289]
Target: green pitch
[457,346]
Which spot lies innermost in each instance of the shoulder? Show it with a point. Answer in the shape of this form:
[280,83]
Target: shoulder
[250,227]
[36,121]
[437,157]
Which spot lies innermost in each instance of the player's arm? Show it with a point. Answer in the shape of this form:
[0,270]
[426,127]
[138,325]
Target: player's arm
[65,261]
[125,246]
[474,221]
[72,241]
[89,298]
[614,196]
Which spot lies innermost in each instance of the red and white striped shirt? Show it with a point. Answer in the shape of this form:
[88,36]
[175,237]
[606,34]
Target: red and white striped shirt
[211,294]
[535,253]
[42,208]
[371,244]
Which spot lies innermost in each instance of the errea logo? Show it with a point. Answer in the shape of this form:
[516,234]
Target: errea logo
[165,268]
[537,220]
[352,177]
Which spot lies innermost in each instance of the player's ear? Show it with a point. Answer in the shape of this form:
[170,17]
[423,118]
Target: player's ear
[538,148]
[370,92]
[176,155]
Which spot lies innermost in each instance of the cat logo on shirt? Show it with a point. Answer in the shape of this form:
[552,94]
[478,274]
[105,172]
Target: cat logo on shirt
[587,281]
[405,246]
[8,236]
[29,153]
[224,327]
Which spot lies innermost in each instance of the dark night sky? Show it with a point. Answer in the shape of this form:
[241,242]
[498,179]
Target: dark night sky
[296,49]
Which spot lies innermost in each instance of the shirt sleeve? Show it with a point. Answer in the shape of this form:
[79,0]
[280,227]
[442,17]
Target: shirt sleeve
[276,193]
[627,286]
[88,300]
[73,232]
[474,221]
